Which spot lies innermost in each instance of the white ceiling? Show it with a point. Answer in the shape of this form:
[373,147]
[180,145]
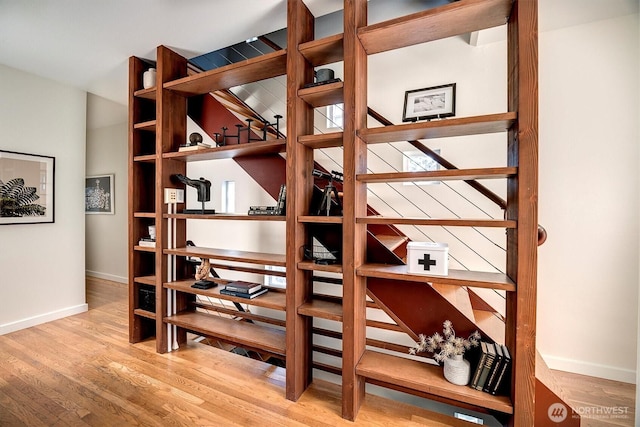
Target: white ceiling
[86,43]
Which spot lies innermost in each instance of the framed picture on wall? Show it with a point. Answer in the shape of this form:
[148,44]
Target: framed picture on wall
[26,188]
[98,194]
[436,102]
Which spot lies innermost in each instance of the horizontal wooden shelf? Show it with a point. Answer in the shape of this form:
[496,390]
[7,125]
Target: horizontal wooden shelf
[230,151]
[273,299]
[144,215]
[144,248]
[445,222]
[323,140]
[149,125]
[149,93]
[461,17]
[320,219]
[230,255]
[425,378]
[444,128]
[251,70]
[322,309]
[228,217]
[312,266]
[323,51]
[144,313]
[478,279]
[148,158]
[441,175]
[146,280]
[241,333]
[320,96]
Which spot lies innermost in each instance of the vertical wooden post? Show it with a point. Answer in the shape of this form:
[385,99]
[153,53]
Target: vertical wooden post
[171,128]
[522,206]
[300,24]
[355,205]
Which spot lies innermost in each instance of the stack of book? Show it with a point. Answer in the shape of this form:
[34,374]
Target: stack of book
[243,289]
[193,147]
[278,209]
[493,368]
[147,242]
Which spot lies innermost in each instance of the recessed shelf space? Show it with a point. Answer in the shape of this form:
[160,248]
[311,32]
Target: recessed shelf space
[149,93]
[229,255]
[323,51]
[441,175]
[323,140]
[445,222]
[312,266]
[248,71]
[461,18]
[478,279]
[424,378]
[319,219]
[145,280]
[230,151]
[443,128]
[322,309]
[246,334]
[274,299]
[320,96]
[149,125]
[144,313]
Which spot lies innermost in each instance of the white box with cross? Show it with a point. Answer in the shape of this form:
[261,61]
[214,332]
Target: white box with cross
[428,258]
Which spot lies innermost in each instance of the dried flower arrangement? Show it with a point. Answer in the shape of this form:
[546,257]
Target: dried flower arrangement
[445,346]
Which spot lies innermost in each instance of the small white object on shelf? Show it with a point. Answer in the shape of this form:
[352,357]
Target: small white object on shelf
[149,78]
[428,258]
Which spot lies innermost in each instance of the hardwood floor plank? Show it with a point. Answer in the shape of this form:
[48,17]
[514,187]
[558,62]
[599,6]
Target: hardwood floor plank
[82,371]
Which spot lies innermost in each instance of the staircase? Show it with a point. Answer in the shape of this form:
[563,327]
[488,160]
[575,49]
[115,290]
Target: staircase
[386,244]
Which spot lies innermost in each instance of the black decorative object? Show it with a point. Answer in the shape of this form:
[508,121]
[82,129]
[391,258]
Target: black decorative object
[330,192]
[221,138]
[203,186]
[430,103]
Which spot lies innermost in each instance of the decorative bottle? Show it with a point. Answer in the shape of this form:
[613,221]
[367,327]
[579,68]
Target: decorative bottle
[149,78]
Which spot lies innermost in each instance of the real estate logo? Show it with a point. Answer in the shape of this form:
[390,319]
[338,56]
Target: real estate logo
[557,412]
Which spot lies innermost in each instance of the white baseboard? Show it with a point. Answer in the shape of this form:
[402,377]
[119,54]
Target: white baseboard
[42,318]
[107,276]
[591,369]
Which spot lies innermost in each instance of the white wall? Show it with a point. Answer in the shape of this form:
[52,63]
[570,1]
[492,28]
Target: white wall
[588,275]
[107,151]
[42,265]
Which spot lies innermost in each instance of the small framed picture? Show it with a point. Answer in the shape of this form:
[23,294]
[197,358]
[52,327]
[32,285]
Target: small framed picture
[98,194]
[26,188]
[429,103]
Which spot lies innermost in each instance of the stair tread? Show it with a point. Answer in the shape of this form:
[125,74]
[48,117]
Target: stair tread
[392,241]
[490,324]
[458,297]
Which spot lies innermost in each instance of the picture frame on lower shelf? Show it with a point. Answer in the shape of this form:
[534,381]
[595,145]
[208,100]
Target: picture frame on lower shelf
[98,194]
[435,102]
[26,188]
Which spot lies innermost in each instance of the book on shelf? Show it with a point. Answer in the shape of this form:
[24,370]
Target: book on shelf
[494,369]
[482,357]
[243,294]
[486,368]
[244,287]
[282,197]
[194,147]
[263,210]
[504,373]
[147,242]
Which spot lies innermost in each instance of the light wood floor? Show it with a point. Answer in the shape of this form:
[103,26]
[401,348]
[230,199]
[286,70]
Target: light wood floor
[81,371]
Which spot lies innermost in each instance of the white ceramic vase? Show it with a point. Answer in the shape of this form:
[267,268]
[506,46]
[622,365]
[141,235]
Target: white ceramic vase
[457,370]
[149,78]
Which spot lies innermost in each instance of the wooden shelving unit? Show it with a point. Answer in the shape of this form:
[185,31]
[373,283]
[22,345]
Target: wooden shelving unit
[157,126]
